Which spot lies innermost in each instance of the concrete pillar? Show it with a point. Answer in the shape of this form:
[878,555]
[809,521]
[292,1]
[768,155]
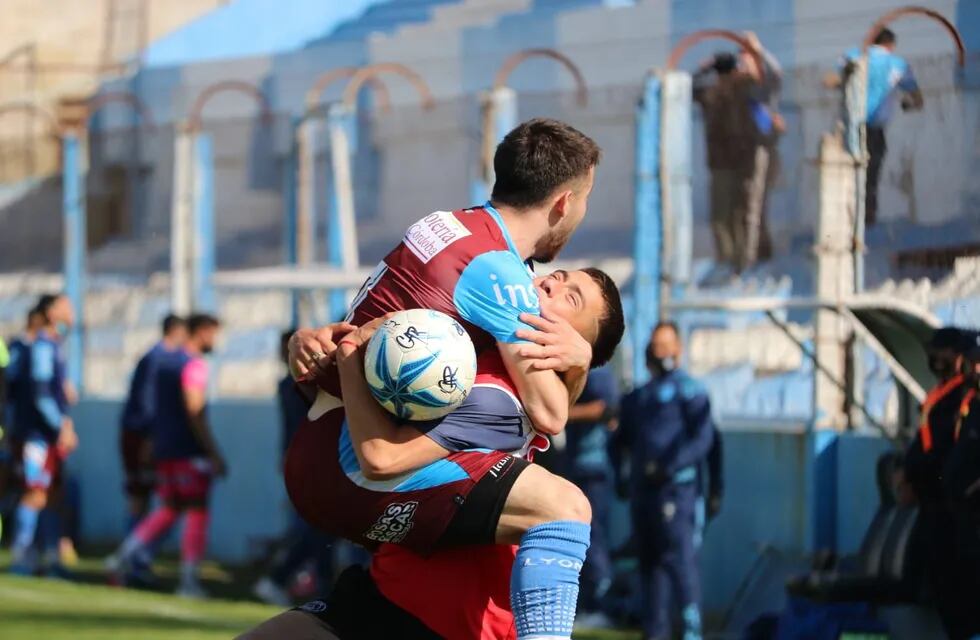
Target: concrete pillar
[181,225]
[835,279]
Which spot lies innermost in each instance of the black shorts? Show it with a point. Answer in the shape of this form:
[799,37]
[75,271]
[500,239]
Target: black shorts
[478,515]
[355,610]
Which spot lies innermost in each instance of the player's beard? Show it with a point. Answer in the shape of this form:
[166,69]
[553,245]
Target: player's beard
[551,245]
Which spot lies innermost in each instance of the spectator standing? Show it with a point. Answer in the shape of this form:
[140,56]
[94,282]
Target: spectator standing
[587,438]
[890,81]
[762,66]
[732,142]
[666,428]
[187,459]
[303,542]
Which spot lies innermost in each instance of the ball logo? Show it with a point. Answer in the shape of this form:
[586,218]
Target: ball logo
[517,295]
[450,381]
[407,339]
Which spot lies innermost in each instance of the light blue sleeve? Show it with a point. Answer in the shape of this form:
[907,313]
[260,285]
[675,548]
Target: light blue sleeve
[493,290]
[43,368]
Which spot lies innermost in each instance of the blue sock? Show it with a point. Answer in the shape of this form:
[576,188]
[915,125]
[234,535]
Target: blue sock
[49,535]
[24,536]
[544,584]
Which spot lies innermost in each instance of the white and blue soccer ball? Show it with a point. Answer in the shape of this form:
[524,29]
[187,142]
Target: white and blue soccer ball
[420,364]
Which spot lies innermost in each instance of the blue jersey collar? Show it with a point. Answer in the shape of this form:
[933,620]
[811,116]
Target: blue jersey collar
[503,228]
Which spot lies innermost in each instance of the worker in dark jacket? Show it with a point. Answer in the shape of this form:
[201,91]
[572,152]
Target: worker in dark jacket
[961,484]
[925,461]
[666,427]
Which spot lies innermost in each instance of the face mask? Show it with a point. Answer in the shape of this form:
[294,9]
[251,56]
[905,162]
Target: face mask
[941,366]
[61,328]
[206,349]
[660,366]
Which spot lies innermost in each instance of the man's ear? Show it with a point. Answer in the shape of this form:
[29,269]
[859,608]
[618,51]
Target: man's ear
[559,207]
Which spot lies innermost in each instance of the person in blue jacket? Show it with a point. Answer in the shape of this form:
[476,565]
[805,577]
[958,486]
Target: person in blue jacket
[667,430]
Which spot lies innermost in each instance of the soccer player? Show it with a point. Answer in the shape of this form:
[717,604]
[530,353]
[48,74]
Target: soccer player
[135,447]
[45,434]
[470,264]
[186,457]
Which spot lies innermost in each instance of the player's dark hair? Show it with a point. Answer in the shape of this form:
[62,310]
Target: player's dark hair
[667,324]
[725,63]
[538,157]
[885,37]
[611,324]
[199,321]
[45,302]
[172,322]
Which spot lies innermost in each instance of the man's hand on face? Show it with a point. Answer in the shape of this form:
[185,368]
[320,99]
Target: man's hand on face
[556,345]
[311,350]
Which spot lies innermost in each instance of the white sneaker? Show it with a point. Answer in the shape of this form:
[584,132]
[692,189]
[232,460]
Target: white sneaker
[593,620]
[270,593]
[191,591]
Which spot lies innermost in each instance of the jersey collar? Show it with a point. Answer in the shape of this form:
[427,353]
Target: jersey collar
[503,228]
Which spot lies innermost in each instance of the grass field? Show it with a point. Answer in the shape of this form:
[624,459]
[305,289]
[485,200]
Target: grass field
[42,609]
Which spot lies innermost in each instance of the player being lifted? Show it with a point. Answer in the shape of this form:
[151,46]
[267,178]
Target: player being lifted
[470,264]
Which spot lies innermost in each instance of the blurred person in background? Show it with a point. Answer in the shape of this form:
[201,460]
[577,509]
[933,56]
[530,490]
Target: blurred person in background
[735,150]
[45,436]
[135,445]
[187,460]
[17,353]
[890,80]
[924,464]
[590,420]
[303,542]
[961,483]
[763,67]
[665,431]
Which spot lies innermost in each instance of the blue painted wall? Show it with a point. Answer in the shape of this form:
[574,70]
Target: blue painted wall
[765,500]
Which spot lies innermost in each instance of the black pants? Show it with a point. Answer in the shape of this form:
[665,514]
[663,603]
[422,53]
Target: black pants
[876,156]
[355,610]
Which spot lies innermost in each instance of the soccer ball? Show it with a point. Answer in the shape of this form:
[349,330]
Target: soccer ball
[420,364]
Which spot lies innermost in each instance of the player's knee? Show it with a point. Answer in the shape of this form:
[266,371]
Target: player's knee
[35,498]
[567,502]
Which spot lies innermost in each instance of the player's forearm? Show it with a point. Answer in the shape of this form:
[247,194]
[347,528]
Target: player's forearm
[379,443]
[588,412]
[202,433]
[546,401]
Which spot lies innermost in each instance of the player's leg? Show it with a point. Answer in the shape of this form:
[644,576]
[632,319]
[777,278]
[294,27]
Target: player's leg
[194,495]
[681,558]
[550,519]
[137,548]
[37,480]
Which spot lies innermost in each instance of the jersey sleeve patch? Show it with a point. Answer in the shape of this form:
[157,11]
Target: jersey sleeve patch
[492,292]
[433,233]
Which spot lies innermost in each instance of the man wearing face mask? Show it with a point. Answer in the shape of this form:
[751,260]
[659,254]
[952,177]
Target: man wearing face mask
[925,462]
[186,455]
[961,483]
[666,427]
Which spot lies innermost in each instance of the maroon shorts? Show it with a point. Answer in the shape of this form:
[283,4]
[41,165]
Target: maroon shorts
[184,482]
[421,519]
[137,463]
